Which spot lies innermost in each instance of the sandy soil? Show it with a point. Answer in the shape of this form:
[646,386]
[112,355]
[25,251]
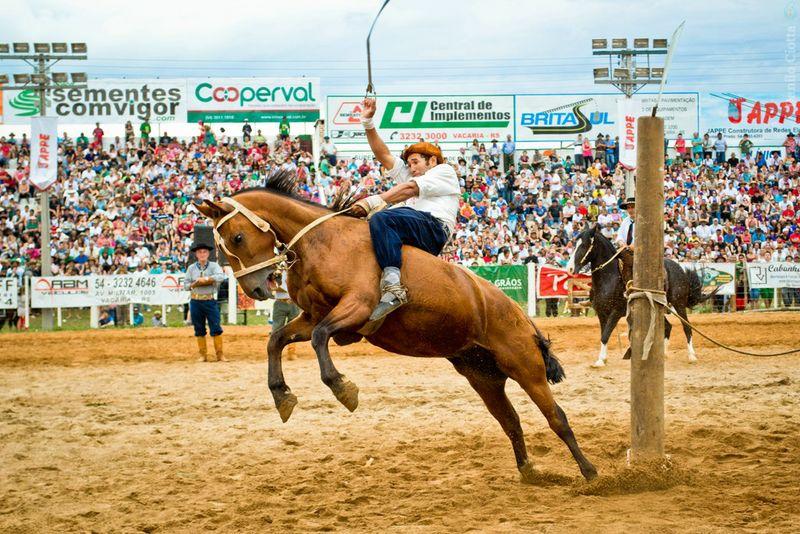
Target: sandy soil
[121,431]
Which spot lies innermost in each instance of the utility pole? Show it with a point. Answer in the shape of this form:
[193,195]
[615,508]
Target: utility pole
[42,59]
[647,369]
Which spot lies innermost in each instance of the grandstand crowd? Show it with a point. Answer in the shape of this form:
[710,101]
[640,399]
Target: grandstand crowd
[125,205]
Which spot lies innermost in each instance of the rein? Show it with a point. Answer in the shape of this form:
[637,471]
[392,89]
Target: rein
[605,264]
[264,226]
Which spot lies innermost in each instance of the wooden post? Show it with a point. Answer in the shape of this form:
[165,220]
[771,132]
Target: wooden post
[647,375]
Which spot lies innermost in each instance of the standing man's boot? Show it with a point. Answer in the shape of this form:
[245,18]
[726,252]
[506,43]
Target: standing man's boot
[202,348]
[218,348]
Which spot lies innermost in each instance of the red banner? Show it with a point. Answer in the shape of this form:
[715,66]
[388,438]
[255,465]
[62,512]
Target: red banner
[553,281]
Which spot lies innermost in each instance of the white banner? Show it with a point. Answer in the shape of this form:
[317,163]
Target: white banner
[766,118]
[561,117]
[85,291]
[255,99]
[627,112]
[8,294]
[44,151]
[715,275]
[777,274]
[404,120]
[103,101]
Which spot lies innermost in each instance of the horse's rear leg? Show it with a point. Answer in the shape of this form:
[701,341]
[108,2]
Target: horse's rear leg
[687,330]
[347,316]
[298,329]
[528,370]
[489,381]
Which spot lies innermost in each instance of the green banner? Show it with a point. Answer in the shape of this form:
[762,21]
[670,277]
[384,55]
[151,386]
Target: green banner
[253,116]
[512,279]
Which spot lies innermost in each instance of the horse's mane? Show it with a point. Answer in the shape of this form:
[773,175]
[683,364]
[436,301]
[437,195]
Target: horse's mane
[603,242]
[284,182]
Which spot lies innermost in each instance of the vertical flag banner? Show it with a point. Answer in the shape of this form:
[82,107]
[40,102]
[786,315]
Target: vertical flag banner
[627,112]
[44,151]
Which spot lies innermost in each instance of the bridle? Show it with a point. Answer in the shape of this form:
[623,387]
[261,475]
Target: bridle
[282,259]
[605,263]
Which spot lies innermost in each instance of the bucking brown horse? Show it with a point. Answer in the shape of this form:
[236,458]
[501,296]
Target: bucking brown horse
[333,277]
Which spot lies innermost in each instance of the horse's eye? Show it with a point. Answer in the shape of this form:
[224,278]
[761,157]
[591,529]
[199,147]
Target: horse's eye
[238,238]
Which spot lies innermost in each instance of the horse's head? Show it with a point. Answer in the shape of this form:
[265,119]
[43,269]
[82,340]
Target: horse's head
[584,250]
[248,241]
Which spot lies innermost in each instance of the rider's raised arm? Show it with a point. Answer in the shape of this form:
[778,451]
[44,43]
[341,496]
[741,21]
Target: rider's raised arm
[376,144]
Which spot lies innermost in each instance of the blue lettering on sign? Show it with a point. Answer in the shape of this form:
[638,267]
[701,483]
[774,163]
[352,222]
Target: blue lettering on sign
[562,119]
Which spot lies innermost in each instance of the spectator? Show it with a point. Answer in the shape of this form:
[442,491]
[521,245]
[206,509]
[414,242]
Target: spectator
[283,128]
[144,132]
[157,320]
[97,135]
[329,151]
[720,146]
[508,153]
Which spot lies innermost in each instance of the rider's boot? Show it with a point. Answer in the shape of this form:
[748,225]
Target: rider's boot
[393,294]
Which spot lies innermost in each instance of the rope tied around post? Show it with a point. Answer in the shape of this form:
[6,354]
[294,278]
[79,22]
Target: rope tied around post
[653,296]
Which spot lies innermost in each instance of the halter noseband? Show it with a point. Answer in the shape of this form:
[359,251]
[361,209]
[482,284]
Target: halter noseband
[281,259]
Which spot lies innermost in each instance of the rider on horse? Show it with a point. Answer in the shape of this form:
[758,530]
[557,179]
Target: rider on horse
[425,204]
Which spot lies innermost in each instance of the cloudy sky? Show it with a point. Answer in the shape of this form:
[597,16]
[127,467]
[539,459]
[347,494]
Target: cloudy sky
[441,46]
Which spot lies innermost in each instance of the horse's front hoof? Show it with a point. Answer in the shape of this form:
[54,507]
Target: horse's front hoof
[286,406]
[347,393]
[526,473]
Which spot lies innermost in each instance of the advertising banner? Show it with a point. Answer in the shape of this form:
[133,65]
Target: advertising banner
[553,281]
[777,274]
[627,111]
[104,101]
[407,119]
[44,151]
[561,117]
[512,279]
[715,275]
[255,99]
[85,291]
[8,294]
[765,118]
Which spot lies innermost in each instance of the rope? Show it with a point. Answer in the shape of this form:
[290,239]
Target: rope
[655,296]
[370,88]
[760,355]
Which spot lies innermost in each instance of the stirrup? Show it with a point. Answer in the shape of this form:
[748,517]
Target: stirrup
[399,297]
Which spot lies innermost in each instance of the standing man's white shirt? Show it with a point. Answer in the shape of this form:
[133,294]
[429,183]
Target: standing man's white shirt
[439,191]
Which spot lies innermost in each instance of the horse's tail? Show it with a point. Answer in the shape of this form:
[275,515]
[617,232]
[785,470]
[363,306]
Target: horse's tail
[696,295]
[553,370]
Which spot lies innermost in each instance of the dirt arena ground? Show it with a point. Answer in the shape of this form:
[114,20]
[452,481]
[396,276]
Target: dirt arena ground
[121,431]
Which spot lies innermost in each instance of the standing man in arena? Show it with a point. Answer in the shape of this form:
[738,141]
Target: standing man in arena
[426,204]
[283,309]
[203,278]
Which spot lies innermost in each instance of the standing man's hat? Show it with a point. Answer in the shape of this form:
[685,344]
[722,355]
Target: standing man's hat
[198,246]
[629,202]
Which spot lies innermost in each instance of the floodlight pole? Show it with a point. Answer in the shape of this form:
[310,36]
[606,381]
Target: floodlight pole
[44,197]
[628,85]
[41,62]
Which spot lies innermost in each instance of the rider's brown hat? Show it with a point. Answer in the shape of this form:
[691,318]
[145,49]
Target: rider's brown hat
[425,149]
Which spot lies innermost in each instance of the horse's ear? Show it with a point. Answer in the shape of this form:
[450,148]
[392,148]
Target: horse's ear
[596,228]
[212,210]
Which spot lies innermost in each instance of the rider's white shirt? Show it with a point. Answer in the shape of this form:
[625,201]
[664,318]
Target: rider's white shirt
[439,191]
[622,232]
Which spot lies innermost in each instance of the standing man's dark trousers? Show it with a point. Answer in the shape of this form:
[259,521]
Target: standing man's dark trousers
[202,312]
[393,228]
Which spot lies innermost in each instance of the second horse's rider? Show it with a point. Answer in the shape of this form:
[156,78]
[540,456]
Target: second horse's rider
[425,204]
